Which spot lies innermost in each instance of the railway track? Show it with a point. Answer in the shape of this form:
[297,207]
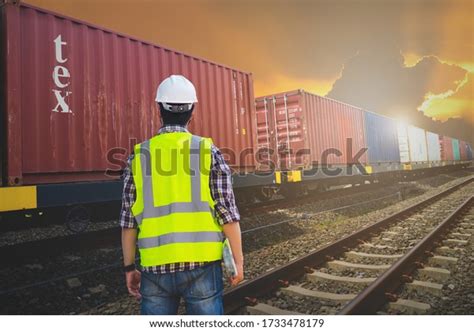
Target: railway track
[110,237]
[356,274]
[422,270]
[311,196]
[32,290]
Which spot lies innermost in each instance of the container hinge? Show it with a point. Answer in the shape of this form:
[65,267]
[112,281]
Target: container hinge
[13,2]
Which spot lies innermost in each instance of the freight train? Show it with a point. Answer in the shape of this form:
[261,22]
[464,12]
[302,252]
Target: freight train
[76,97]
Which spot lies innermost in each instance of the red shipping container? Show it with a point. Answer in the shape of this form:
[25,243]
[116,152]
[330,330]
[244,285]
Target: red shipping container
[446,148]
[297,121]
[75,92]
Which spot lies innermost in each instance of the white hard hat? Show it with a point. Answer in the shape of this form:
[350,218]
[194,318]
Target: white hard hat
[176,89]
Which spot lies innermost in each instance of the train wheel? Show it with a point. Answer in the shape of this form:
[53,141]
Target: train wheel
[303,190]
[322,188]
[265,193]
[78,219]
[245,198]
[293,191]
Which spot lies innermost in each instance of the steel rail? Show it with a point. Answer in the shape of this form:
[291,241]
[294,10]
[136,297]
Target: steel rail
[375,295]
[17,253]
[237,297]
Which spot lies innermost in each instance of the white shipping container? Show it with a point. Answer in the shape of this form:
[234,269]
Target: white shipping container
[417,144]
[403,143]
[434,151]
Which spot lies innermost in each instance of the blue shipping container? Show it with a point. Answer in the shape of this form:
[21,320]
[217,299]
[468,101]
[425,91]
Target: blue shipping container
[456,151]
[469,151]
[382,138]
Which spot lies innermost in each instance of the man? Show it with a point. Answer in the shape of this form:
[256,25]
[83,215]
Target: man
[178,195]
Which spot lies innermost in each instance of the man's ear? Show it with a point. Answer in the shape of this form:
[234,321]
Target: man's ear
[191,118]
[159,114]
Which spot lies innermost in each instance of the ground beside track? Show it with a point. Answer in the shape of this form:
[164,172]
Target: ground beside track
[329,228]
[103,292]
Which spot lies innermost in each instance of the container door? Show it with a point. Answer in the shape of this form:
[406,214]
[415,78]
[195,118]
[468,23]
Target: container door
[403,143]
[289,131]
[266,148]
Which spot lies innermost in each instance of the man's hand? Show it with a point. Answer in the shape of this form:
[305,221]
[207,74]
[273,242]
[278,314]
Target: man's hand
[232,232]
[240,275]
[133,279]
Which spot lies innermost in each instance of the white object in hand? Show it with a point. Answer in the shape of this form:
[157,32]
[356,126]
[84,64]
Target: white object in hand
[229,263]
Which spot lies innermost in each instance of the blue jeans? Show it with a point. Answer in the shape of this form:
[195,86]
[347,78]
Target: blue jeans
[201,289]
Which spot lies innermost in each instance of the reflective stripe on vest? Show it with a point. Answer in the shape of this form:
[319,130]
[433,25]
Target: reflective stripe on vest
[180,237]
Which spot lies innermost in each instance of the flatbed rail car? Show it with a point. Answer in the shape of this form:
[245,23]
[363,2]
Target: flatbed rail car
[76,97]
[315,140]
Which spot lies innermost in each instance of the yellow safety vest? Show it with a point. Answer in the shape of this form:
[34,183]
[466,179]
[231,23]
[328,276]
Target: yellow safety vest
[174,207]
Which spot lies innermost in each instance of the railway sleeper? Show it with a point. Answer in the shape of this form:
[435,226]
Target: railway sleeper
[302,292]
[383,248]
[390,234]
[455,242]
[410,307]
[437,274]
[442,261]
[398,228]
[358,256]
[462,236]
[446,250]
[343,266]
[264,309]
[318,276]
[423,287]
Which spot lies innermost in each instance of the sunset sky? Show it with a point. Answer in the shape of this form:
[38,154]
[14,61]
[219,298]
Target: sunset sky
[398,58]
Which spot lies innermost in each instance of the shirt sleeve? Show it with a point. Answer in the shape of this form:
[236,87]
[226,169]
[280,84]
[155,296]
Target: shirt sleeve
[220,183]
[127,220]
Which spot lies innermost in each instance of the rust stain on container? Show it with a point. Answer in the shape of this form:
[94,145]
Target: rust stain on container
[82,91]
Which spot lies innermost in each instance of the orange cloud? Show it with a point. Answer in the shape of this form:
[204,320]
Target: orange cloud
[459,104]
[451,103]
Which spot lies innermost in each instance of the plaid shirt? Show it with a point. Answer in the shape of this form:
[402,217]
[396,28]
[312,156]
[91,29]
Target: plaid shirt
[220,184]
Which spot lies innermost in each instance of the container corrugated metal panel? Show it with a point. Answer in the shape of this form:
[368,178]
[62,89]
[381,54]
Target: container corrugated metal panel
[301,121]
[463,147]
[434,152]
[382,138]
[456,152]
[403,144]
[417,141]
[446,148]
[469,152]
[62,127]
